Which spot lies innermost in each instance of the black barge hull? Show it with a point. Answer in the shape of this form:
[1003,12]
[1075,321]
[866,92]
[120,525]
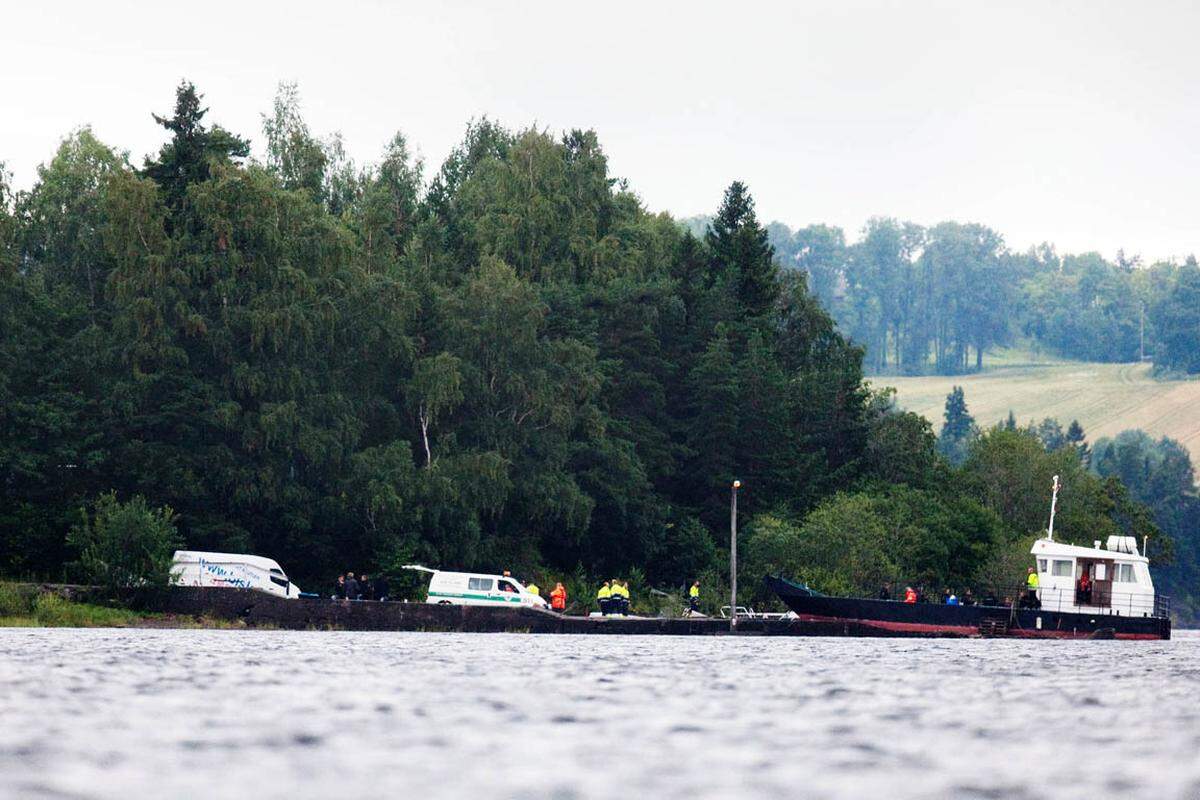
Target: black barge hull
[890,617]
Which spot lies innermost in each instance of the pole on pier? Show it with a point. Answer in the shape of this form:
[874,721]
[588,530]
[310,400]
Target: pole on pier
[1053,508]
[733,556]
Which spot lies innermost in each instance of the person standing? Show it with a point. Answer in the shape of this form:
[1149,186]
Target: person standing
[694,598]
[1032,584]
[339,589]
[910,594]
[558,598]
[621,589]
[533,589]
[604,598]
[382,589]
[352,590]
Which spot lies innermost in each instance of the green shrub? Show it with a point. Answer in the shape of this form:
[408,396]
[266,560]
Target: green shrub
[125,545]
[51,610]
[13,603]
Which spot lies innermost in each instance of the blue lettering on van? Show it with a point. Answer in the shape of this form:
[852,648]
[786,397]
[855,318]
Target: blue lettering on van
[225,576]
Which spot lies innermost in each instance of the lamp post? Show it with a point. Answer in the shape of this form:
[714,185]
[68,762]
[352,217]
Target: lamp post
[733,555]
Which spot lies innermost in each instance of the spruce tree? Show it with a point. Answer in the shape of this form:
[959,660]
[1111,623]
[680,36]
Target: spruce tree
[958,429]
[1078,440]
[713,427]
[742,257]
[188,157]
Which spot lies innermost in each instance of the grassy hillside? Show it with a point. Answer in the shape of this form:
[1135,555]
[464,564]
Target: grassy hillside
[1105,398]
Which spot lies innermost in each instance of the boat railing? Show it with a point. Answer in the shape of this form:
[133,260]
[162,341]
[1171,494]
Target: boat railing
[1093,601]
[743,612]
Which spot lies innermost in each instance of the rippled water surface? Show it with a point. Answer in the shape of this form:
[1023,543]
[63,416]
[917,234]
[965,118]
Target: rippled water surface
[163,713]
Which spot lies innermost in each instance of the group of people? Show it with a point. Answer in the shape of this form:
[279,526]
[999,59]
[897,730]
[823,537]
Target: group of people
[363,587]
[613,597]
[948,596]
[1029,598]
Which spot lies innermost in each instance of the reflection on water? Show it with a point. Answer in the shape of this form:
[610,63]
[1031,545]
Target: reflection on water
[115,713]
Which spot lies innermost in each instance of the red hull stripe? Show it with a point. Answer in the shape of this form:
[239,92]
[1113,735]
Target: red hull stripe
[966,630]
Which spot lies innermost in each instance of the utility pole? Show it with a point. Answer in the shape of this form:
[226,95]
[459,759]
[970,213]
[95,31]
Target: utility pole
[733,556]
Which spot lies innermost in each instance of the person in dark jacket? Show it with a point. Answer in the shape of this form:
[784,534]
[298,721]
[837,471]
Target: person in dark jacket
[381,588]
[339,588]
[366,589]
[352,590]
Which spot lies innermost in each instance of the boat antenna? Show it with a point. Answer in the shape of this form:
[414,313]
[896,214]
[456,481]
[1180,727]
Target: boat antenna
[1053,506]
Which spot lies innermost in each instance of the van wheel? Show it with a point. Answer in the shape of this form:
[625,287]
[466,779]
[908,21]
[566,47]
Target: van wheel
[443,602]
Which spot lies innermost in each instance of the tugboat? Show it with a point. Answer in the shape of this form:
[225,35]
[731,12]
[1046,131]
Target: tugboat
[1079,593]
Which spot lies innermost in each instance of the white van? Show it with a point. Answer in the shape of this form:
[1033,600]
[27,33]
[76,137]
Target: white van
[233,571]
[476,589]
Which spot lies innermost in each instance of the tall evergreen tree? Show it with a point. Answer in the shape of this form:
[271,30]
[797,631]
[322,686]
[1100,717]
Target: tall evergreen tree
[958,428]
[742,257]
[1077,439]
[188,157]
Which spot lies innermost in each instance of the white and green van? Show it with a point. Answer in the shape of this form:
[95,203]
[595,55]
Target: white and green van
[477,589]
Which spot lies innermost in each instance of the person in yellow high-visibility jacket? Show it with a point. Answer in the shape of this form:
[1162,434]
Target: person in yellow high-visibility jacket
[533,589]
[622,590]
[694,597]
[604,598]
[1031,590]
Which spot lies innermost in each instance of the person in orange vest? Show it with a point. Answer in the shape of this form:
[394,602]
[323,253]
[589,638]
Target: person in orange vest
[558,598]
[910,594]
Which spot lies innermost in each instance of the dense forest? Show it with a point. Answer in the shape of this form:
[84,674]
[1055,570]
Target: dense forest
[935,299]
[507,362]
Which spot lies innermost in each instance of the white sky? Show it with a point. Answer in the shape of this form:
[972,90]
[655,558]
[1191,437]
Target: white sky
[1072,122]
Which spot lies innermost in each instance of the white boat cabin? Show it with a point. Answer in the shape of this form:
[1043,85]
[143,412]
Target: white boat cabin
[1094,580]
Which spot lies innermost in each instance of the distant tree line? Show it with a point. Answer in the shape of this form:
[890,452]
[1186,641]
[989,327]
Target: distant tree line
[935,299]
[507,362]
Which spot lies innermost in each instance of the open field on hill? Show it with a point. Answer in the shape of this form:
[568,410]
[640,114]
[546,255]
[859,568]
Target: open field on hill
[1105,398]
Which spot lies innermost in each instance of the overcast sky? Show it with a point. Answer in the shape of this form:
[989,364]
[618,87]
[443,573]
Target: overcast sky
[1075,123]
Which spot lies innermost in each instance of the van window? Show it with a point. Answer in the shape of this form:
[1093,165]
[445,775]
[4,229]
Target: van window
[1061,569]
[1124,574]
[1042,565]
[505,586]
[275,579]
[480,584]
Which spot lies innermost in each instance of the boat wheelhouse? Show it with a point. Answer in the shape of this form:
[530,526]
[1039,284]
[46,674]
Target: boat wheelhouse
[1113,581]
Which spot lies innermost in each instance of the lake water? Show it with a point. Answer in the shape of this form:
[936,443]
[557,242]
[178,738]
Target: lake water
[266,714]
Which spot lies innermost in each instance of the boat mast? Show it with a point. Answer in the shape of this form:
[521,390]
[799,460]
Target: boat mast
[1053,506]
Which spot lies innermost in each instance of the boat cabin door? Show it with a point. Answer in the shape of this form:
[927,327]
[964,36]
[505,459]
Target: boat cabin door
[1093,583]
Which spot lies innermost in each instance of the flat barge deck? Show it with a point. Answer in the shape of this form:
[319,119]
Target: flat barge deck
[257,609]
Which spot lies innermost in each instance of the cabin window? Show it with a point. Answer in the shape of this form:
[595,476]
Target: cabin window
[279,581]
[1123,573]
[505,586]
[1042,565]
[480,584]
[1062,569]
